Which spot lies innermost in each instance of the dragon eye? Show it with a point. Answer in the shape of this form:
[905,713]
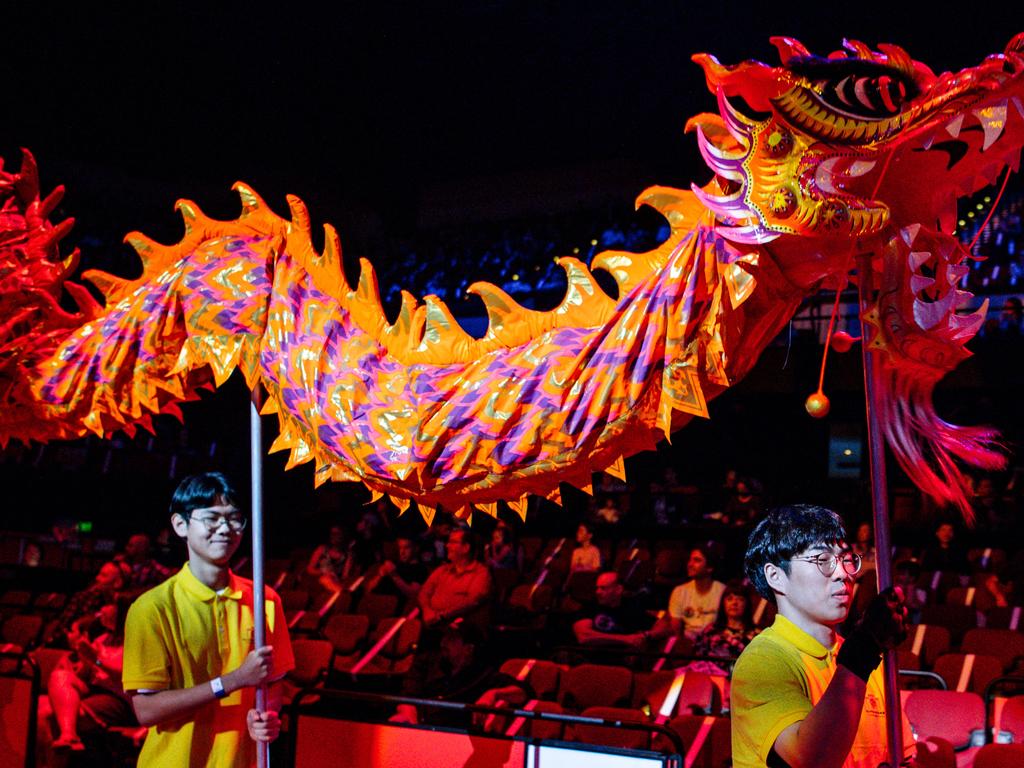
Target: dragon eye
[864,96]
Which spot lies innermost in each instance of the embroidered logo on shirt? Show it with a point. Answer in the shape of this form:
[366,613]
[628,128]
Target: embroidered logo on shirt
[873,705]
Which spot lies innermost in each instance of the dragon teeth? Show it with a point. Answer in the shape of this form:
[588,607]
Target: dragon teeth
[910,232]
[954,272]
[860,167]
[928,315]
[967,325]
[919,282]
[993,122]
[953,126]
[917,258]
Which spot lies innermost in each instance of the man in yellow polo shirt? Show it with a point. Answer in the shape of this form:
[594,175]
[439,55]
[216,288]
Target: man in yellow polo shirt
[189,663]
[802,695]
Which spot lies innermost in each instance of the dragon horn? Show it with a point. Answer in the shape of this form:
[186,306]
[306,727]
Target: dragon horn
[789,47]
[858,49]
[897,58]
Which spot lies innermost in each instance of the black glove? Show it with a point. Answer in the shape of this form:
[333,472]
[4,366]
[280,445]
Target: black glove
[881,628]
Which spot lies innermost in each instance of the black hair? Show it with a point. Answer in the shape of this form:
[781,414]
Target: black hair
[735,587]
[784,532]
[467,534]
[712,554]
[200,491]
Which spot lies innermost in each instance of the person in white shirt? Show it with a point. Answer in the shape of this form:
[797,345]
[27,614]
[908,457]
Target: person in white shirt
[693,605]
[586,556]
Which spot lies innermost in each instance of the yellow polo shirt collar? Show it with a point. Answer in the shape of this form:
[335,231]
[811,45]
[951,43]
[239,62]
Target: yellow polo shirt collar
[200,591]
[804,642]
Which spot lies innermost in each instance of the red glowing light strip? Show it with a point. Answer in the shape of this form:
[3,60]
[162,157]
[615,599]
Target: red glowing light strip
[671,698]
[518,722]
[698,742]
[385,639]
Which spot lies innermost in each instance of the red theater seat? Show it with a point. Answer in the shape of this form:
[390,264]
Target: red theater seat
[1005,644]
[968,671]
[928,642]
[541,676]
[707,741]
[671,693]
[346,632]
[948,715]
[1000,756]
[613,735]
[595,685]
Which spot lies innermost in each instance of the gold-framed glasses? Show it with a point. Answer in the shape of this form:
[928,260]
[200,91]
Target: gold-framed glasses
[827,562]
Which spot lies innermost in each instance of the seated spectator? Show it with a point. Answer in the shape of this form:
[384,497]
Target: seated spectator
[366,544]
[435,541]
[905,576]
[612,621]
[459,589]
[331,562]
[83,606]
[1011,320]
[403,577]
[586,556]
[864,545]
[945,553]
[85,693]
[693,605]
[141,571]
[999,586]
[608,513]
[461,671]
[664,498]
[733,627]
[744,504]
[501,552]
[994,519]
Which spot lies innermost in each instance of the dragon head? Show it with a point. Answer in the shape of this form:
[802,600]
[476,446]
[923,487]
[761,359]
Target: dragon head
[849,144]
[866,152]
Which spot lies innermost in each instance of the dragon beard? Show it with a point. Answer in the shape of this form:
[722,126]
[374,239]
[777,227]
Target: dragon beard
[921,337]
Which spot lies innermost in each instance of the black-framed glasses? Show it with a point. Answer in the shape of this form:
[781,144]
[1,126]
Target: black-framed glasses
[236,522]
[827,562]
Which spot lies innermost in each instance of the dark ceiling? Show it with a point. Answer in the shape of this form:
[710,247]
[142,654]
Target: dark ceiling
[366,108]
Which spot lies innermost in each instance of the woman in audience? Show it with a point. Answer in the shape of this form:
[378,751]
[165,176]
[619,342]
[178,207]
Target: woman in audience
[331,563]
[945,553]
[501,552]
[733,627]
[586,556]
[84,690]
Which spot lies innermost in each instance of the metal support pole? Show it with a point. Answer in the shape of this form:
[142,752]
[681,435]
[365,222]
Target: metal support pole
[258,585]
[879,502]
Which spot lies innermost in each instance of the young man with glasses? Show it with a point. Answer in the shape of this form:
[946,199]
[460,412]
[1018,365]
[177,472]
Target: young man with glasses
[802,695]
[189,661]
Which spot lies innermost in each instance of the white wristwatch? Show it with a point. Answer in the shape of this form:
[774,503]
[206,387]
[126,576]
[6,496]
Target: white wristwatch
[218,688]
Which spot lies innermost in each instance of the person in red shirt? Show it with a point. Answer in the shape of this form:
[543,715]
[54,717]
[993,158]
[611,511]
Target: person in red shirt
[459,589]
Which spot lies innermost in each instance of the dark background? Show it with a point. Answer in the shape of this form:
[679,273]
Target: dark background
[370,110]
[391,123]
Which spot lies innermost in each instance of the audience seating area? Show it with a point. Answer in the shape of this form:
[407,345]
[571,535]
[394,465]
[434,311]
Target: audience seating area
[360,640]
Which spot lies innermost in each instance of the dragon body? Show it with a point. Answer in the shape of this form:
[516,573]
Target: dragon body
[859,156]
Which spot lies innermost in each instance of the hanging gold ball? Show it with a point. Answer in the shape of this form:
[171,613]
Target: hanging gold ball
[817,405]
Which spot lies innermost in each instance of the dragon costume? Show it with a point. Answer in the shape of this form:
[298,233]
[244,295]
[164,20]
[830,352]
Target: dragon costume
[817,162]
